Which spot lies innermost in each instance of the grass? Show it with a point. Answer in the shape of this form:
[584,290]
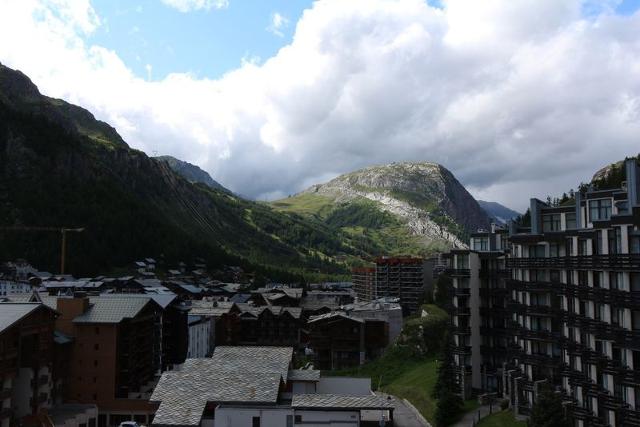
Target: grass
[306,204]
[405,374]
[501,419]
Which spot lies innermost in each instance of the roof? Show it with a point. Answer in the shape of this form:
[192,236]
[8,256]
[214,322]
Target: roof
[304,375]
[11,312]
[334,314]
[334,401]
[210,308]
[295,312]
[232,375]
[112,308]
[253,359]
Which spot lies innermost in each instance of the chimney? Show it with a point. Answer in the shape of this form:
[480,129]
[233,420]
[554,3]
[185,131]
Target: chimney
[69,309]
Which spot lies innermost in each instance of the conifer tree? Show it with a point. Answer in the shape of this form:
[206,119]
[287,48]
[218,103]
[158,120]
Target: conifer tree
[547,410]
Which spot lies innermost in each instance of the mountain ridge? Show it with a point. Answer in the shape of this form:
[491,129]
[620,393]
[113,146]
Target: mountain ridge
[61,167]
[191,172]
[425,198]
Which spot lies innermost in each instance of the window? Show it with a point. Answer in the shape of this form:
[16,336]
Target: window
[615,240]
[480,244]
[570,220]
[634,242]
[462,262]
[298,419]
[255,422]
[615,280]
[96,346]
[600,210]
[569,247]
[536,251]
[289,420]
[551,222]
[554,250]
[634,279]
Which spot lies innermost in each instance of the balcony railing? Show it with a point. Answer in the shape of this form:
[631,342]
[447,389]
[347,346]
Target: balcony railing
[591,262]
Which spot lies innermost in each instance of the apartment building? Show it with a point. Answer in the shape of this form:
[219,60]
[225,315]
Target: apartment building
[26,361]
[571,303]
[404,278]
[479,310]
[116,352]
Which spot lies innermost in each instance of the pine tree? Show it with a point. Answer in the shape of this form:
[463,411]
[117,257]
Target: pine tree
[547,410]
[448,408]
[446,381]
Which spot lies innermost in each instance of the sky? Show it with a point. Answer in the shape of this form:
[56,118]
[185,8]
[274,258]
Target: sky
[518,98]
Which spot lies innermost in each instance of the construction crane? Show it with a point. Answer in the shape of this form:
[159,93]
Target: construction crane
[63,232]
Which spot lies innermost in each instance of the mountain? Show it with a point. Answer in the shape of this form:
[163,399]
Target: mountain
[498,212]
[60,167]
[191,173]
[413,208]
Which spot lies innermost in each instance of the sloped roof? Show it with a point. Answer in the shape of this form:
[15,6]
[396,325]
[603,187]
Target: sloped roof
[112,308]
[334,401]
[253,359]
[12,312]
[304,375]
[232,375]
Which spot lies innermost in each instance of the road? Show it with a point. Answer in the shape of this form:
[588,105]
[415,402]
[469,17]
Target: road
[403,416]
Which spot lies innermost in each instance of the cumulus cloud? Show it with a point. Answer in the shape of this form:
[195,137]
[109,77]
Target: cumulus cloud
[516,98]
[191,5]
[278,23]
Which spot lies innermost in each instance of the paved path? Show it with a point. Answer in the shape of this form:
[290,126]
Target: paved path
[403,416]
[471,417]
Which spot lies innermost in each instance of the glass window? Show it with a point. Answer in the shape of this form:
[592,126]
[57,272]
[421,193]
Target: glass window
[615,240]
[551,222]
[570,219]
[600,210]
[554,250]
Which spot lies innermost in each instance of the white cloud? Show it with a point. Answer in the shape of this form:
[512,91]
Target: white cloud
[516,98]
[277,24]
[191,5]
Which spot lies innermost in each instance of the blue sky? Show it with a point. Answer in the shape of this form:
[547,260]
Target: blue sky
[206,43]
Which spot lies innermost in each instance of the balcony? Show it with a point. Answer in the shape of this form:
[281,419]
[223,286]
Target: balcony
[593,262]
[458,272]
[462,291]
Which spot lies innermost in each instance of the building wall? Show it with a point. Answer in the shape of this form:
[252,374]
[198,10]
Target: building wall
[329,418]
[243,417]
[200,338]
[344,386]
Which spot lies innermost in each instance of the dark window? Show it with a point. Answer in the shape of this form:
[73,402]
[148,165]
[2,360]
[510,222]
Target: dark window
[97,330]
[255,422]
[299,418]
[600,210]
[615,240]
[551,222]
[569,247]
[570,219]
[95,363]
[96,346]
[634,278]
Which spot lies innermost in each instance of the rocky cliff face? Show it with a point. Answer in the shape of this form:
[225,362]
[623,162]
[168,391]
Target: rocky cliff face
[191,173]
[425,196]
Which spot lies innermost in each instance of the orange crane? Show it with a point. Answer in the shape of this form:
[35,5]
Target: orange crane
[63,232]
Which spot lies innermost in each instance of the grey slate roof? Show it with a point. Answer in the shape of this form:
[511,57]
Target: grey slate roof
[304,375]
[232,375]
[253,359]
[335,401]
[11,312]
[112,309]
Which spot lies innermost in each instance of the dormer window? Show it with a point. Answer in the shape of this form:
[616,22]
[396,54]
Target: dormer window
[600,210]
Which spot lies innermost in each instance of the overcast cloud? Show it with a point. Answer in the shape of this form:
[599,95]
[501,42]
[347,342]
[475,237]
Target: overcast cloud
[516,98]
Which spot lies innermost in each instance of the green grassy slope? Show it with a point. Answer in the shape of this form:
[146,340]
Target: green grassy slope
[367,226]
